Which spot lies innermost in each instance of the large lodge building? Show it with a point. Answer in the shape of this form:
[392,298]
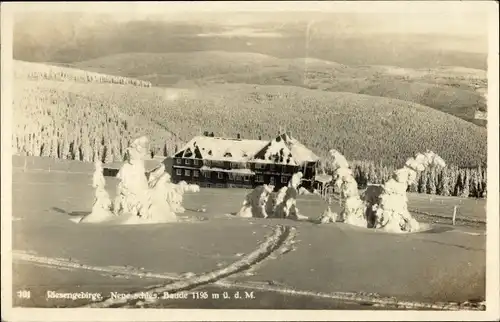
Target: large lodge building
[229,163]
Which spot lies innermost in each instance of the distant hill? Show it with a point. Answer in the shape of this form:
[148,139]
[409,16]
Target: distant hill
[48,115]
[454,90]
[341,37]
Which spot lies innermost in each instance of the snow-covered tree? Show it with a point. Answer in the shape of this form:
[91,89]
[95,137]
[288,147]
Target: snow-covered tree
[465,184]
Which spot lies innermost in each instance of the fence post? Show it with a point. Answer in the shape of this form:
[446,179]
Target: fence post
[454,214]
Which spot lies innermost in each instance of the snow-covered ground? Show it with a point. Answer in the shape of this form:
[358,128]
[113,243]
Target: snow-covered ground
[352,259]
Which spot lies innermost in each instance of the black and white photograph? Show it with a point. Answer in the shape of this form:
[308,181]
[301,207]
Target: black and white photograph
[250,160]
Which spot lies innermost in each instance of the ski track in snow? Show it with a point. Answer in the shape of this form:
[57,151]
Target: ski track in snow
[271,243]
[279,243]
[466,232]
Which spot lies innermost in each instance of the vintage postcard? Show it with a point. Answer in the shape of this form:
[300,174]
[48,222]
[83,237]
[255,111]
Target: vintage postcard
[250,161]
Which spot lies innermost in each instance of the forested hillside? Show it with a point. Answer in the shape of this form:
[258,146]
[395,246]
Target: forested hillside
[362,127]
[455,90]
[93,119]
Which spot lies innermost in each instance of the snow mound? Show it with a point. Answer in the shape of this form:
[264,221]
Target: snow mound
[382,207]
[262,203]
[388,204]
[101,210]
[255,203]
[303,191]
[139,200]
[328,216]
[186,187]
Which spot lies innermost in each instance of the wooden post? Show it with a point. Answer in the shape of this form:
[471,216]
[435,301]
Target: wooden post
[454,214]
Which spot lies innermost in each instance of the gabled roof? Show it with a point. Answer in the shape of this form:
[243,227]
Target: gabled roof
[215,148]
[283,149]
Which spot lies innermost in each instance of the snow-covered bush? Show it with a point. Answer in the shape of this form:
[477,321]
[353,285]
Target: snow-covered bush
[154,175]
[98,177]
[389,210]
[101,209]
[255,202]
[353,208]
[285,204]
[138,199]
[194,188]
[187,187]
[303,191]
[262,203]
[328,216]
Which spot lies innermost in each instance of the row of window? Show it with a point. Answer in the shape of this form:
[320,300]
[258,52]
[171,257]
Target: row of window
[220,175]
[272,167]
[260,178]
[187,173]
[188,161]
[236,177]
[209,163]
[206,174]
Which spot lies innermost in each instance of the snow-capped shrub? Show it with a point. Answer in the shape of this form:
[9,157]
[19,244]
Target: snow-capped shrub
[303,191]
[390,208]
[193,188]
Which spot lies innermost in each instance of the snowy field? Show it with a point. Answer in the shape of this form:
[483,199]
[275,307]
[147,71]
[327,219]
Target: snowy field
[323,264]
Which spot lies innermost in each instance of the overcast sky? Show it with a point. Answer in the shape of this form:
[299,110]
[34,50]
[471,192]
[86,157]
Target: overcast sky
[461,18]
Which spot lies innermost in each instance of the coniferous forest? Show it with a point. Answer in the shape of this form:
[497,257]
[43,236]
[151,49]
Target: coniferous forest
[71,114]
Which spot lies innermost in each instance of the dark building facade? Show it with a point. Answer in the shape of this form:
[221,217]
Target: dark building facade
[237,163]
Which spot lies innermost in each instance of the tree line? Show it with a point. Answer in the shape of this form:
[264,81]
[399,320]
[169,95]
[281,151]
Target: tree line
[33,71]
[80,143]
[448,181]
[66,128]
[107,141]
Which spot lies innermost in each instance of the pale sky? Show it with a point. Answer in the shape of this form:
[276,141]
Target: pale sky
[450,17]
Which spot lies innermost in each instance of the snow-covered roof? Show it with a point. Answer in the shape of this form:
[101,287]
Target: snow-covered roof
[215,148]
[283,150]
